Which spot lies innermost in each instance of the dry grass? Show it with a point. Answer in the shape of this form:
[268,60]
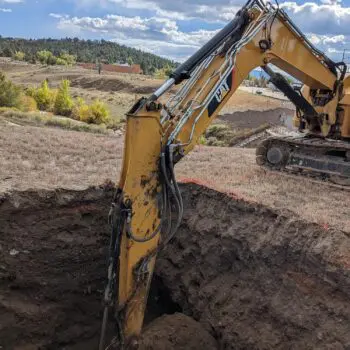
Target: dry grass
[234,170]
[33,157]
[224,134]
[243,101]
[118,90]
[50,158]
[47,119]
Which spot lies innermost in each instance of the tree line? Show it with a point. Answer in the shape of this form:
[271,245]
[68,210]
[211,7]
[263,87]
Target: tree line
[88,51]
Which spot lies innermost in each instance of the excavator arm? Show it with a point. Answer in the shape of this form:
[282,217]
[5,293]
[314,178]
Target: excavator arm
[147,208]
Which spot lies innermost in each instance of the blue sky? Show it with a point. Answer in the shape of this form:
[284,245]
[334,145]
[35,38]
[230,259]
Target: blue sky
[171,28]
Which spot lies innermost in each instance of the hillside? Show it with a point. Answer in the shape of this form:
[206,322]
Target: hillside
[85,51]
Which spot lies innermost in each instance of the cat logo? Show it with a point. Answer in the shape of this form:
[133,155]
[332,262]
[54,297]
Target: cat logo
[222,91]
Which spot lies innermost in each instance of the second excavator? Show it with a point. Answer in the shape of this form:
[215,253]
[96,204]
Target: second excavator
[147,208]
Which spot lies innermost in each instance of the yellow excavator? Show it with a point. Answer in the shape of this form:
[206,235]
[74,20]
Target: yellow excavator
[147,209]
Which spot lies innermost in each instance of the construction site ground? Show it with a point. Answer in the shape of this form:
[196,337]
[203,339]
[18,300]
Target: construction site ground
[261,261]
[49,158]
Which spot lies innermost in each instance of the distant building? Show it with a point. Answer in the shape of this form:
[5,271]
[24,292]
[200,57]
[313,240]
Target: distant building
[122,64]
[118,68]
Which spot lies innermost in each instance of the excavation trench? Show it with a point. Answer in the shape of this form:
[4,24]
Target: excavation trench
[237,276]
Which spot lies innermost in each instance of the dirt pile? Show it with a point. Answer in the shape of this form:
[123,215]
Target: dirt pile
[254,119]
[176,332]
[246,276]
[259,279]
[102,84]
[52,269]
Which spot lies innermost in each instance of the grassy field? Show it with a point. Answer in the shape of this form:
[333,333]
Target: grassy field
[51,157]
[39,118]
[37,158]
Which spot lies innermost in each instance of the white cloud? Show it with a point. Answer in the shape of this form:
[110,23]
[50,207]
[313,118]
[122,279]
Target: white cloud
[159,29]
[161,36]
[315,39]
[326,17]
[206,10]
[326,39]
[176,52]
[333,50]
[57,15]
[11,1]
[330,2]
[116,25]
[334,39]
[320,19]
[332,45]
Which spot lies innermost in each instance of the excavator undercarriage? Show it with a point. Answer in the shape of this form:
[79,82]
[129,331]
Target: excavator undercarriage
[319,151]
[317,158]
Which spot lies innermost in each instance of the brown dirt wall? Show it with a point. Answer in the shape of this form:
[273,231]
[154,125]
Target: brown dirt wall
[248,276]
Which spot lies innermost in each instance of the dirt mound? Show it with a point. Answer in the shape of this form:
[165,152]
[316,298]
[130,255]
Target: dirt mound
[259,279]
[115,84]
[253,119]
[176,332]
[52,269]
[251,277]
[101,84]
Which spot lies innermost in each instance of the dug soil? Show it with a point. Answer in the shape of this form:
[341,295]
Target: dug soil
[176,332]
[243,276]
[253,118]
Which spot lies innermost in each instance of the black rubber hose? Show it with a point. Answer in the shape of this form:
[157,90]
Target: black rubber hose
[168,183]
[343,70]
[298,100]
[174,194]
[141,240]
[166,210]
[177,189]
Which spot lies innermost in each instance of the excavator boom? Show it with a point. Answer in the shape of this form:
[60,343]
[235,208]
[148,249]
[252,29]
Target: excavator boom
[148,208]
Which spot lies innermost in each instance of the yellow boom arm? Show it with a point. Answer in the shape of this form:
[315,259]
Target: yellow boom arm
[158,136]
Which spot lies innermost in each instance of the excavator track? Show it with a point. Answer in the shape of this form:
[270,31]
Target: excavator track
[321,160]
